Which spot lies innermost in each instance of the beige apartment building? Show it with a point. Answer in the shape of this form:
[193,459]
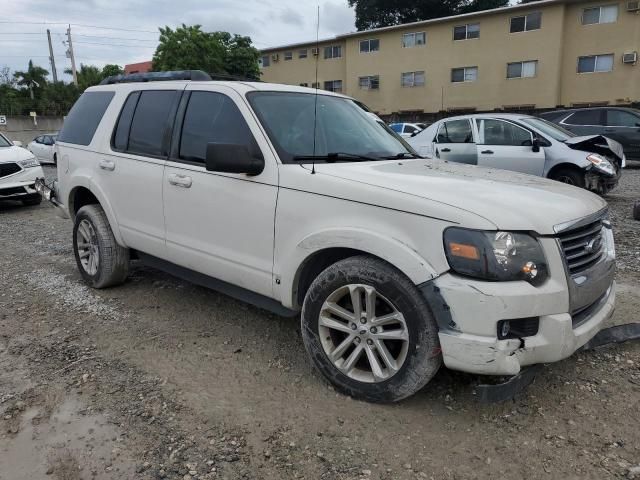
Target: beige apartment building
[528,56]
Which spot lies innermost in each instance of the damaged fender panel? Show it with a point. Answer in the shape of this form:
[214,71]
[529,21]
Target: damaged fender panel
[597,144]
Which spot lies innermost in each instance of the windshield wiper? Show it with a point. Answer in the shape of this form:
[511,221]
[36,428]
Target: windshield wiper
[401,155]
[336,157]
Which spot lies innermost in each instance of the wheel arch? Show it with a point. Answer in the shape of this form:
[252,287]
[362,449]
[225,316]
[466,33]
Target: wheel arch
[563,166]
[318,251]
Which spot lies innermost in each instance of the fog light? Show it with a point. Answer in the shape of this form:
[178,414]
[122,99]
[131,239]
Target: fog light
[505,329]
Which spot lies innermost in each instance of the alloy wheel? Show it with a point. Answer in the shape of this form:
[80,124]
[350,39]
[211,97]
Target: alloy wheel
[87,246]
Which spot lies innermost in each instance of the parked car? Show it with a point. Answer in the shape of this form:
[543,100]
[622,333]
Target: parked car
[18,172]
[44,148]
[300,202]
[526,144]
[620,124]
[405,130]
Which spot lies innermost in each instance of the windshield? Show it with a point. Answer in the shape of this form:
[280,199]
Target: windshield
[548,128]
[341,126]
[4,142]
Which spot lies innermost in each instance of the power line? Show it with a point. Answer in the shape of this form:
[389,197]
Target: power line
[80,25]
[115,44]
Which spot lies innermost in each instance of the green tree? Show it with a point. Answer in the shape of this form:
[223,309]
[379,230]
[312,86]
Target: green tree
[383,13]
[34,78]
[88,76]
[189,48]
[111,69]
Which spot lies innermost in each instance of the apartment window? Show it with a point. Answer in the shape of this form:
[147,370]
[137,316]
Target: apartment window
[604,14]
[525,23]
[335,51]
[302,53]
[371,82]
[465,32]
[304,84]
[333,85]
[417,39]
[288,55]
[464,74]
[522,69]
[315,85]
[595,63]
[412,79]
[368,46]
[266,61]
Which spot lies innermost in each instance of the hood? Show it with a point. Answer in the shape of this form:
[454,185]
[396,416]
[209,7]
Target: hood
[596,144]
[508,200]
[14,154]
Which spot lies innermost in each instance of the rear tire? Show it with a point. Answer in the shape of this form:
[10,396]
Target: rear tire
[101,261]
[385,349]
[570,177]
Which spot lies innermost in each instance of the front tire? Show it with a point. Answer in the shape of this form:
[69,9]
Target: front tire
[101,261]
[570,177]
[369,331]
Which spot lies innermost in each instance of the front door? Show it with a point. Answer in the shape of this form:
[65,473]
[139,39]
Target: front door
[503,144]
[219,224]
[624,127]
[454,142]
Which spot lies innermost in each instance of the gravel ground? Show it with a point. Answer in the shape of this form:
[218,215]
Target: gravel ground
[159,378]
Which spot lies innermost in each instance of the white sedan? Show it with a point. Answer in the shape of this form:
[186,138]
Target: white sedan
[18,172]
[44,148]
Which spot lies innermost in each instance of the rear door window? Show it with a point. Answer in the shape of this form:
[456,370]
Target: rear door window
[121,135]
[212,117]
[455,131]
[620,118]
[585,117]
[409,129]
[82,122]
[150,124]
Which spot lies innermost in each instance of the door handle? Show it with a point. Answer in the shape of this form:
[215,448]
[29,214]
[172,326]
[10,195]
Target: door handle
[108,165]
[180,180]
[445,150]
[487,152]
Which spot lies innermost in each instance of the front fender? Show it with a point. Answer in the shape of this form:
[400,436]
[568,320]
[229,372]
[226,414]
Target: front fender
[393,250]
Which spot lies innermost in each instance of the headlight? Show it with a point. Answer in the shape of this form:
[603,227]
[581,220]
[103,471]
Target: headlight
[29,163]
[601,163]
[495,256]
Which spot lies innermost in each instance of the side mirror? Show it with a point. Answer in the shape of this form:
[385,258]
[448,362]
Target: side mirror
[233,158]
[535,144]
[17,143]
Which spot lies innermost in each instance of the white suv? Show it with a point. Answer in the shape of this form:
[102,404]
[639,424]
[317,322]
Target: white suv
[397,263]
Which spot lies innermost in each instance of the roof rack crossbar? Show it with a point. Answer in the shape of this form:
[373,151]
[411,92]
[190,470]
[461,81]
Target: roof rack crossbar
[157,77]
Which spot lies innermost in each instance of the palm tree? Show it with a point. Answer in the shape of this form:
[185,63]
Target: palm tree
[34,77]
[88,76]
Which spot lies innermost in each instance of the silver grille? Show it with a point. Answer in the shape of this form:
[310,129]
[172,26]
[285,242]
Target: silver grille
[582,247]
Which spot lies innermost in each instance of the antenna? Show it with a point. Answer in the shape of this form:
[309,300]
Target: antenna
[315,100]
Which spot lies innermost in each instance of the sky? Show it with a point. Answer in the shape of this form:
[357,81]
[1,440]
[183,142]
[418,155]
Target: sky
[125,31]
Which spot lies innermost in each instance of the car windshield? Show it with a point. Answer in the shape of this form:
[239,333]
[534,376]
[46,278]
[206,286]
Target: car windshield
[548,128]
[4,142]
[341,126]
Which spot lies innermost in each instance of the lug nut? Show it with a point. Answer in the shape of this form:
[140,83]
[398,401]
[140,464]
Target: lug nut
[363,320]
[369,341]
[353,326]
[373,330]
[356,340]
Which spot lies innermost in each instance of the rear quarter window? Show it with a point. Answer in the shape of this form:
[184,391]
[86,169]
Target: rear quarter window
[82,122]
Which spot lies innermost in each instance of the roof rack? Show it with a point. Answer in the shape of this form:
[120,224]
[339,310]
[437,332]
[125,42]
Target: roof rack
[157,77]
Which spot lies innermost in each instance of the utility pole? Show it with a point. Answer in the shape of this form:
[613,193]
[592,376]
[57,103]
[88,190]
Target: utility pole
[51,58]
[70,55]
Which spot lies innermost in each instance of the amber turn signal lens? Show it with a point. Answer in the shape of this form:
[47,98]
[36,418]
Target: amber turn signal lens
[465,251]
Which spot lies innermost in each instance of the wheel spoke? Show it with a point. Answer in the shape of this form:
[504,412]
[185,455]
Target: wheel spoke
[392,335]
[338,311]
[370,298]
[395,317]
[387,358]
[82,229]
[340,349]
[376,368]
[83,245]
[356,300]
[351,361]
[335,325]
[85,254]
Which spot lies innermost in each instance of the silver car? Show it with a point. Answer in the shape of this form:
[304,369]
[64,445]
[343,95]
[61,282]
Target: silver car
[526,144]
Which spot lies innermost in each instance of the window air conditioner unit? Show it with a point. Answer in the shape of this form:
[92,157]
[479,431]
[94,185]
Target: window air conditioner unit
[633,6]
[315,52]
[631,57]
[275,57]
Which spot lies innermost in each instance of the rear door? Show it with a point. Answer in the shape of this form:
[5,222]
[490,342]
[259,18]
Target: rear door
[454,142]
[220,224]
[624,126]
[589,121]
[506,145]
